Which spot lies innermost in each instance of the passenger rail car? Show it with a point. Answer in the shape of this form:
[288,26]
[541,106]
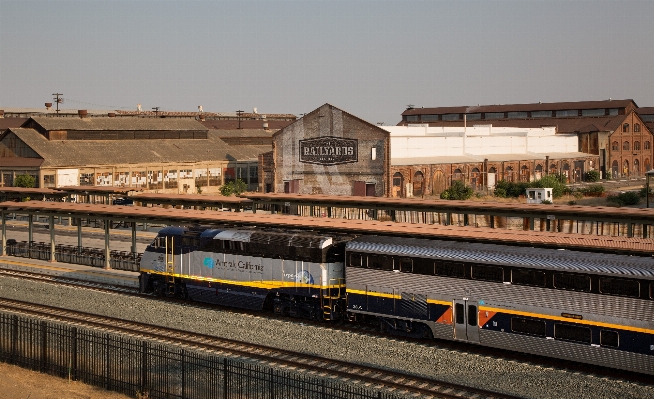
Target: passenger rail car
[586,307]
[297,273]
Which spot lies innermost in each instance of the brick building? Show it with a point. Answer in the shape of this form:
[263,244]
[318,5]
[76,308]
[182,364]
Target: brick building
[328,151]
[611,129]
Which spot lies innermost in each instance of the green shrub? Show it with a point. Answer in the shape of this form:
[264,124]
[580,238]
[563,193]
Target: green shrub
[506,189]
[547,202]
[233,187]
[593,189]
[626,198]
[555,182]
[26,181]
[592,175]
[457,191]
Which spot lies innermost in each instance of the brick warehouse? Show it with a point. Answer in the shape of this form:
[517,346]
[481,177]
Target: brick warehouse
[328,151]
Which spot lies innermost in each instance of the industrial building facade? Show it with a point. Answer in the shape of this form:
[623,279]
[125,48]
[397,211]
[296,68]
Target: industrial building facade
[173,155]
[613,129]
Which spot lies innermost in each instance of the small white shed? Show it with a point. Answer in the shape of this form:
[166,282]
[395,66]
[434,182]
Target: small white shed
[538,195]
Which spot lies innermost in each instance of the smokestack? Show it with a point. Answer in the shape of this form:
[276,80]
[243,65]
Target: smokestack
[265,122]
[82,113]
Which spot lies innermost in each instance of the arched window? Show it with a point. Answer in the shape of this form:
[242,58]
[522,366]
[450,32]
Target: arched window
[524,173]
[615,146]
[552,169]
[646,145]
[648,166]
[625,168]
[636,167]
[457,174]
[418,178]
[625,146]
[625,128]
[615,169]
[397,179]
[492,170]
[636,127]
[636,145]
[539,168]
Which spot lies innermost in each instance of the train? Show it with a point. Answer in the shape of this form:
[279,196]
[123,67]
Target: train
[595,308]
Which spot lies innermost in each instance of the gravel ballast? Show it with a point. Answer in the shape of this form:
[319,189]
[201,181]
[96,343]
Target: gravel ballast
[480,371]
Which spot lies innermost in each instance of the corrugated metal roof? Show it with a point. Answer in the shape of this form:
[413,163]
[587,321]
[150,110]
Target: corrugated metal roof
[572,261]
[81,153]
[523,107]
[110,124]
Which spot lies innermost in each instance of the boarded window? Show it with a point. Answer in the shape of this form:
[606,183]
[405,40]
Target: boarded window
[380,262]
[487,273]
[450,269]
[528,326]
[573,333]
[572,282]
[531,277]
[619,286]
[609,338]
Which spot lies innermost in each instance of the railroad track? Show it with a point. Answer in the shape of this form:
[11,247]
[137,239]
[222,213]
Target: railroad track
[67,281]
[398,383]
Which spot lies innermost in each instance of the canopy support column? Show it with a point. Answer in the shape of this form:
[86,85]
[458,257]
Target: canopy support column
[52,238]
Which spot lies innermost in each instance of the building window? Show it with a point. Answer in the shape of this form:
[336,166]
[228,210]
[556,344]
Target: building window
[541,114]
[613,111]
[429,118]
[413,118]
[569,112]
[646,145]
[494,115]
[636,144]
[636,127]
[517,115]
[593,112]
[86,179]
[451,117]
[48,181]
[615,146]
[647,118]
[254,174]
[473,117]
[625,146]
[397,179]
[625,128]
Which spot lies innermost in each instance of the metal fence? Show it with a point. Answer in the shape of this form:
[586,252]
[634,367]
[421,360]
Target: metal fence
[155,370]
[118,260]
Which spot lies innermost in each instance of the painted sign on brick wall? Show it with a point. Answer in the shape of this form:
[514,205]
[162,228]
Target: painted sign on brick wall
[329,150]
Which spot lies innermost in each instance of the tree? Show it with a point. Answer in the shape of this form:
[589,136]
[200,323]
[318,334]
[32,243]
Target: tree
[458,191]
[234,187]
[26,181]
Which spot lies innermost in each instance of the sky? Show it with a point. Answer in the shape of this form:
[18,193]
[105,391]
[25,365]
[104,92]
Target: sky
[369,58]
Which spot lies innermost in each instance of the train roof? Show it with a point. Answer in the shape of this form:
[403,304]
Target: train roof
[558,259]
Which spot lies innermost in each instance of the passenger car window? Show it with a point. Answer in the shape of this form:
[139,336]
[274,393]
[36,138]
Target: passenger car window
[619,286]
[572,282]
[530,277]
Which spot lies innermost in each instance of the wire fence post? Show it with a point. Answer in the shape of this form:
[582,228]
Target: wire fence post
[144,367]
[14,338]
[272,385]
[108,361]
[225,378]
[183,377]
[73,362]
[44,345]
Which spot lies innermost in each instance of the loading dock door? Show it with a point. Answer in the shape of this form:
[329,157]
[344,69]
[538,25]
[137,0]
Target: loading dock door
[466,320]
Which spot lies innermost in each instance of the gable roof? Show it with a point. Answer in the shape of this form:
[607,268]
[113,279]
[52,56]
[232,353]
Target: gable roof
[80,153]
[331,107]
[109,124]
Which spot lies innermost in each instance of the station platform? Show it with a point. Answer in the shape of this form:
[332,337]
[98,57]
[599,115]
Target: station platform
[68,270]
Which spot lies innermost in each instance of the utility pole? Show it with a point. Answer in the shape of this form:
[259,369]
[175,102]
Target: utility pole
[58,99]
[238,115]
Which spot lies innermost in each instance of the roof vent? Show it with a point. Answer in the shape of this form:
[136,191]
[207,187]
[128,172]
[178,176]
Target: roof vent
[200,110]
[82,113]
[48,106]
[138,107]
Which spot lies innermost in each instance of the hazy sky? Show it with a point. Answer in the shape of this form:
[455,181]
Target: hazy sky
[370,58]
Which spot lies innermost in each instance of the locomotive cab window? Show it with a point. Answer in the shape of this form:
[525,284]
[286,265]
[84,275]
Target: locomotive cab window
[619,286]
[355,260]
[609,338]
[528,326]
[380,262]
[530,277]
[487,273]
[573,333]
[572,282]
